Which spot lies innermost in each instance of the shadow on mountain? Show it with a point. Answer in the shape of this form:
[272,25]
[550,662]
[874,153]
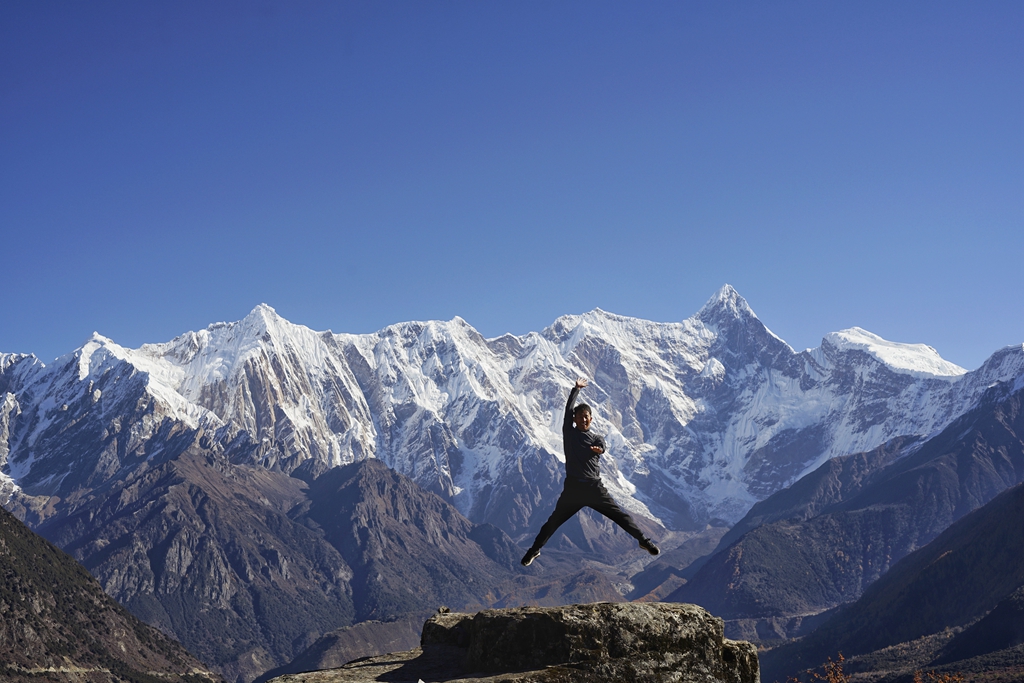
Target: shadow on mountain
[971,571]
[249,567]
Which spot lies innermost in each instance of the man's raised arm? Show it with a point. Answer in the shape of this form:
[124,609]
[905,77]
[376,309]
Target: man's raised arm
[580,383]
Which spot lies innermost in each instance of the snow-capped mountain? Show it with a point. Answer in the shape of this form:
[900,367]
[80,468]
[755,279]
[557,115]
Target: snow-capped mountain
[703,417]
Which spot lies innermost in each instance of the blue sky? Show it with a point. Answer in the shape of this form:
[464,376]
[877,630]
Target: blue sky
[168,165]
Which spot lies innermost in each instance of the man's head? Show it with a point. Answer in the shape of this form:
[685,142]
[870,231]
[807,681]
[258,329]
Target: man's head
[582,417]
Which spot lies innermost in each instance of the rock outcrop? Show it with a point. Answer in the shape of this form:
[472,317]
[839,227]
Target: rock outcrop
[636,642]
[359,641]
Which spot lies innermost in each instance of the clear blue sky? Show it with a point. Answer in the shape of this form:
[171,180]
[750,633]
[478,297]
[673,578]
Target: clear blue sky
[165,165]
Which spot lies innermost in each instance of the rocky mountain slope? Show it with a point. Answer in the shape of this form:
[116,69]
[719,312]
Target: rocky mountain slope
[205,550]
[825,540]
[971,568]
[55,616]
[248,567]
[341,646]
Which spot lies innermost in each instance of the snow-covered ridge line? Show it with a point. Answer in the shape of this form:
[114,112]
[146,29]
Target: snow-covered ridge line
[917,359]
[704,416]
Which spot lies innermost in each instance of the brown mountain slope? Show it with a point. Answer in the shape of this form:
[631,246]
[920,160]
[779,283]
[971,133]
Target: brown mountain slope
[206,551]
[248,567]
[410,551]
[53,614]
[958,577]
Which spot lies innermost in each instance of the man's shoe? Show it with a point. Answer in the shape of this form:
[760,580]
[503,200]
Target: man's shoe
[529,557]
[648,545]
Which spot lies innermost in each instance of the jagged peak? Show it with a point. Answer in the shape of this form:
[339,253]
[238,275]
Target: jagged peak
[263,312]
[1004,365]
[728,303]
[261,319]
[97,342]
[98,339]
[92,354]
[9,359]
[601,314]
[456,327]
[597,317]
[216,353]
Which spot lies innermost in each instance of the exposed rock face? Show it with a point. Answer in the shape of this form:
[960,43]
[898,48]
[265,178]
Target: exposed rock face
[343,645]
[206,551]
[636,642]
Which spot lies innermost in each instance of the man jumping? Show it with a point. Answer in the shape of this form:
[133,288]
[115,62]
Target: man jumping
[583,487]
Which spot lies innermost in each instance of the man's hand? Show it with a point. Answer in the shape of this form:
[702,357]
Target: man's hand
[597,449]
[581,382]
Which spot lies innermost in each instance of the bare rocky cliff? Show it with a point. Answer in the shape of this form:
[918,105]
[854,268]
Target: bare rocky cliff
[637,642]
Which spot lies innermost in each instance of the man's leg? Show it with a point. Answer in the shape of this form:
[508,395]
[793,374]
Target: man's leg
[603,502]
[568,504]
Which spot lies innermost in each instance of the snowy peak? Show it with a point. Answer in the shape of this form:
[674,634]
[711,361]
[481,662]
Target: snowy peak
[95,356]
[726,304]
[918,360]
[8,360]
[1004,365]
[263,319]
[222,349]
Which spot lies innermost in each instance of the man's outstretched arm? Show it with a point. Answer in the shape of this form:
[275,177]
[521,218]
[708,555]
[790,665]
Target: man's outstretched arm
[580,383]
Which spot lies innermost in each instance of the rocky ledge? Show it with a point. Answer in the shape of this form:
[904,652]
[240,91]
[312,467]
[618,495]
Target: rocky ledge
[636,642]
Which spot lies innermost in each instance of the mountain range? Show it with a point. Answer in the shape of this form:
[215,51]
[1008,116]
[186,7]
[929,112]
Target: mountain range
[703,418]
[255,485]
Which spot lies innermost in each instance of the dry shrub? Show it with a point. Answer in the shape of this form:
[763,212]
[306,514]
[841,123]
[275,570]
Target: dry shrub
[932,677]
[832,672]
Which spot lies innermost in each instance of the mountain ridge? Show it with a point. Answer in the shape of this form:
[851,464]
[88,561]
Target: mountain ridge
[970,568]
[215,452]
[704,417]
[831,535]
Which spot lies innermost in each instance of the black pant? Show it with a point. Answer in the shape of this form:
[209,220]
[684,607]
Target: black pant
[577,495]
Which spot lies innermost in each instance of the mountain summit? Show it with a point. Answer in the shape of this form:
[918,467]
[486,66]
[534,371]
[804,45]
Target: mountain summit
[725,304]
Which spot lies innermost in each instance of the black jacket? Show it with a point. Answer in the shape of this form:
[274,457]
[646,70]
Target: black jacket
[581,463]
